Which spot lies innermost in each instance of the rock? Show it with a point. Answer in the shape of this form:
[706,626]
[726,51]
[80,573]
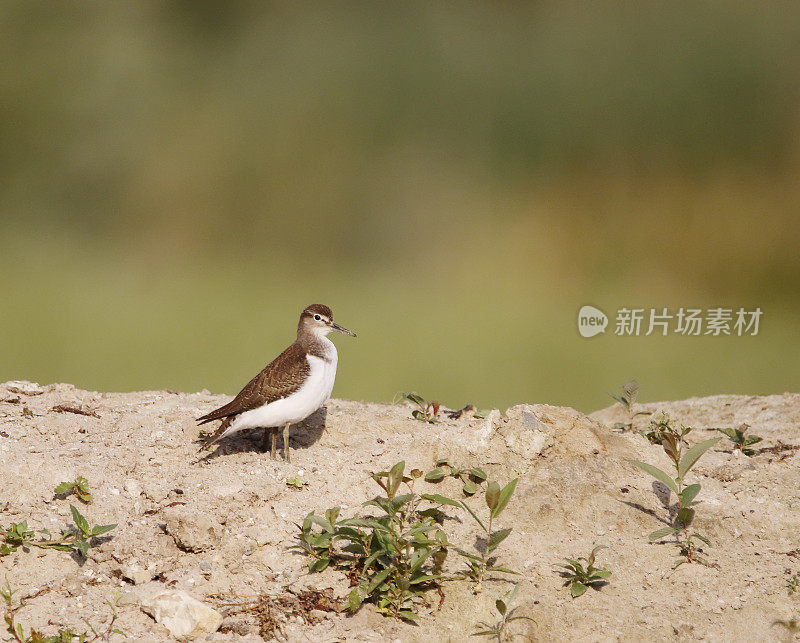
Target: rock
[136,574]
[182,614]
[571,432]
[156,491]
[476,438]
[525,434]
[191,531]
[132,487]
[24,387]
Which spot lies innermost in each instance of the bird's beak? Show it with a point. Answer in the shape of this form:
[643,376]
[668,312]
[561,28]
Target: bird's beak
[342,329]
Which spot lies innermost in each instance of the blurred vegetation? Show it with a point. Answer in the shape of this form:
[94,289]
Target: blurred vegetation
[177,180]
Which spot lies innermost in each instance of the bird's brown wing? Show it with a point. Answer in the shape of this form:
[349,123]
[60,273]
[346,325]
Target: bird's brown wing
[280,378]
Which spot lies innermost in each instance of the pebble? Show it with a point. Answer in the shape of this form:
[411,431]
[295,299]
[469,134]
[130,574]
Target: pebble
[182,614]
[132,487]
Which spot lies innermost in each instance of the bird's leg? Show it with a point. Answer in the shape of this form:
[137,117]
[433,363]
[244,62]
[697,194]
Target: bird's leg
[265,439]
[274,440]
[286,443]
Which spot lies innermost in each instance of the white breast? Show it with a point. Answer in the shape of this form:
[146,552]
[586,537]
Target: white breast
[314,392]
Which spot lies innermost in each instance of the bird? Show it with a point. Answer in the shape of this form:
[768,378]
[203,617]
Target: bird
[290,388]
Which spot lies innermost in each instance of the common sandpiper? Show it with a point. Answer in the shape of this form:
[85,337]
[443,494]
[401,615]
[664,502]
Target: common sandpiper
[290,388]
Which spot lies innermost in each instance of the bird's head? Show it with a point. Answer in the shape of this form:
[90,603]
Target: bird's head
[317,319]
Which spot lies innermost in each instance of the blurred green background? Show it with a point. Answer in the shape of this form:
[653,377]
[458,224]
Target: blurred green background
[178,180]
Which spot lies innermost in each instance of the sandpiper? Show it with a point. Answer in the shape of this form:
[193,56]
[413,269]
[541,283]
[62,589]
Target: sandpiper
[290,388]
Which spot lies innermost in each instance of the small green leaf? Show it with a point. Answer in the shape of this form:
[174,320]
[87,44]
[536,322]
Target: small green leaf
[440,500]
[496,538]
[80,522]
[322,522]
[501,606]
[693,455]
[729,432]
[364,522]
[332,514]
[377,579]
[434,475]
[101,529]
[658,474]
[505,496]
[470,487]
[477,473]
[468,555]
[577,589]
[492,495]
[355,599]
[660,533]
[395,478]
[685,516]
[688,494]
[64,487]
[703,538]
[82,546]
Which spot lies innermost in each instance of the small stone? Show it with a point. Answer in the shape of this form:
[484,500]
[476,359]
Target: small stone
[132,487]
[527,435]
[191,531]
[182,614]
[136,574]
[23,387]
[476,438]
[155,492]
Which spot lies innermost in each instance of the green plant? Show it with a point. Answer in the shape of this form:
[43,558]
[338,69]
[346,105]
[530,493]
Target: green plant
[498,628]
[393,558]
[78,539]
[578,577]
[425,412]
[79,486]
[63,635]
[296,482]
[674,444]
[478,564]
[662,429]
[792,583]
[470,477]
[740,440]
[630,391]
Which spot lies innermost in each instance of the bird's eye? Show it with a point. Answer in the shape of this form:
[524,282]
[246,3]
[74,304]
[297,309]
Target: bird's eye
[317,317]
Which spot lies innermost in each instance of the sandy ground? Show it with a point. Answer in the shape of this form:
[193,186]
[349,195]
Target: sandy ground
[222,523]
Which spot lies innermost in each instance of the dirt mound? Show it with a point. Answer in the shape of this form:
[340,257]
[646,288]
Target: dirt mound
[219,523]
